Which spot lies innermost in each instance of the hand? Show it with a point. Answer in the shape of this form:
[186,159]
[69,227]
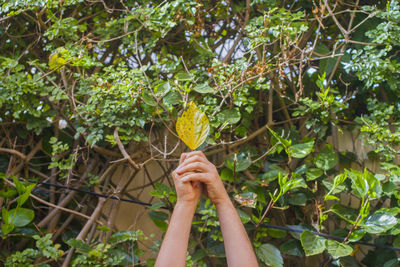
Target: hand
[187,192]
[196,168]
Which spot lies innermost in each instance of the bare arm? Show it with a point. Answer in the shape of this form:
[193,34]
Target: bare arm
[238,249]
[174,246]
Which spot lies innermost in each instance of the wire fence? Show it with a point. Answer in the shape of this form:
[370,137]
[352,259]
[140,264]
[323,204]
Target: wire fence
[284,228]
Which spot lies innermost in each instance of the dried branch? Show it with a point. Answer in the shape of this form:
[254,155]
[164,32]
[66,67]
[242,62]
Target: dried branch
[14,152]
[123,151]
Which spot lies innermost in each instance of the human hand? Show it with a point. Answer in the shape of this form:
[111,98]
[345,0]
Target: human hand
[187,192]
[196,168]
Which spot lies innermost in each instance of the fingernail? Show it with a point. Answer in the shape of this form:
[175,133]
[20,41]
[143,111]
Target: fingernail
[184,179]
[178,169]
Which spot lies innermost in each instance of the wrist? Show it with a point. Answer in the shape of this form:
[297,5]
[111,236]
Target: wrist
[186,204]
[224,202]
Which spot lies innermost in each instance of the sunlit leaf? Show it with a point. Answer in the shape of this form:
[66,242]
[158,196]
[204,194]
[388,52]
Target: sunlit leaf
[203,88]
[56,61]
[337,249]
[312,244]
[327,158]
[380,222]
[301,150]
[193,126]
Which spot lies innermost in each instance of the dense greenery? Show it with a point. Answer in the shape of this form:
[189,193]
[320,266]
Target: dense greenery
[85,84]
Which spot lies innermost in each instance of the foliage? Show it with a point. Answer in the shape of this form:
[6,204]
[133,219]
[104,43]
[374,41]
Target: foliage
[89,87]
[45,250]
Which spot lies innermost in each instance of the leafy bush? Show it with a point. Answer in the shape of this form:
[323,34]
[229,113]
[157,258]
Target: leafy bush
[90,86]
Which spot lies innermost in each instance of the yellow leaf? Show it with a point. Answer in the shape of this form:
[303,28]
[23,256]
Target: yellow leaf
[55,61]
[193,126]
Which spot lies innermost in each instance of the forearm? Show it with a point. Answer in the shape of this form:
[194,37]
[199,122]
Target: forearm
[238,248]
[174,247]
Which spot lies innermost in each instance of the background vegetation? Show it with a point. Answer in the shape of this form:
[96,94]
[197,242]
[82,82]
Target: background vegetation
[90,85]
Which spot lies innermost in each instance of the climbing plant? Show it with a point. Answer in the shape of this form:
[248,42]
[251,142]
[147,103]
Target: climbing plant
[91,86]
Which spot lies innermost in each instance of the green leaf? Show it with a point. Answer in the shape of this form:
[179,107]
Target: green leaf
[157,205]
[292,247]
[231,116]
[301,227]
[312,244]
[9,193]
[24,197]
[6,228]
[327,158]
[276,233]
[172,98]
[293,184]
[302,169]
[227,175]
[238,162]
[162,89]
[21,216]
[339,179]
[346,213]
[193,127]
[18,185]
[124,236]
[313,173]
[348,261]
[158,215]
[331,197]
[328,184]
[396,242]
[5,215]
[337,249]
[270,255]
[79,245]
[380,222]
[244,217]
[357,235]
[273,173]
[298,199]
[148,98]
[284,142]
[375,188]
[103,228]
[183,76]
[159,219]
[203,88]
[392,263]
[359,184]
[301,150]
[388,188]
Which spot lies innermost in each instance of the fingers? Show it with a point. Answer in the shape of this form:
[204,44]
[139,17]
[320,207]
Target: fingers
[196,177]
[176,178]
[195,153]
[192,167]
[183,157]
[192,159]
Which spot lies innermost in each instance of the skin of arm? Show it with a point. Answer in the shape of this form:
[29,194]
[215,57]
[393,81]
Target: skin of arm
[174,246]
[238,248]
